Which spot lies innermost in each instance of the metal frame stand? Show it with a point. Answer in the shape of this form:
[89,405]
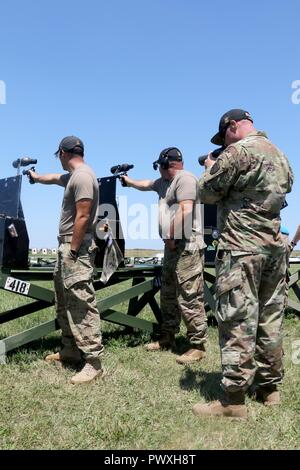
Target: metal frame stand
[146,282]
[293,284]
[145,285]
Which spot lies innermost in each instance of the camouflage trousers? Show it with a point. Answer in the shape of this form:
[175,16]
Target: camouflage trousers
[76,306]
[182,293]
[250,300]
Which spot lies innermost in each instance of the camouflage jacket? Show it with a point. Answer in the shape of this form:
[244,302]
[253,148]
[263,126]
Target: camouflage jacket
[249,182]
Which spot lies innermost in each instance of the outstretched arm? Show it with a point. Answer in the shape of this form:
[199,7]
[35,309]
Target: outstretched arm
[50,178]
[141,185]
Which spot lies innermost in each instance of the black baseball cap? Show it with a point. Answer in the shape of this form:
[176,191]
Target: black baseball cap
[71,144]
[232,115]
[171,153]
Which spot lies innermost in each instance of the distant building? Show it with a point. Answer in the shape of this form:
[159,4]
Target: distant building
[43,251]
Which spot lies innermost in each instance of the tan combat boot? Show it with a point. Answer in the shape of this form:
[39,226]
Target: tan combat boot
[71,356]
[270,396]
[166,341]
[89,372]
[231,407]
[192,355]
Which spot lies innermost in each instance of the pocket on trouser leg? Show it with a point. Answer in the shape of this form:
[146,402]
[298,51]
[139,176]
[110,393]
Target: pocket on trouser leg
[189,265]
[84,319]
[230,296]
[76,278]
[80,270]
[192,289]
[82,291]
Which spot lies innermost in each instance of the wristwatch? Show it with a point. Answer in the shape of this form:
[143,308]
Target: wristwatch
[74,254]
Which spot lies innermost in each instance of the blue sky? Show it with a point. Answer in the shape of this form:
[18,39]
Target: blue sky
[133,77]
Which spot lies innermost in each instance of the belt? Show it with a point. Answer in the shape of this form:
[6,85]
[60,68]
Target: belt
[68,238]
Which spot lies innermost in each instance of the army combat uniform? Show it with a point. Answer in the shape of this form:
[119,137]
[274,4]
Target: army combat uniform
[249,182]
[76,306]
[182,290]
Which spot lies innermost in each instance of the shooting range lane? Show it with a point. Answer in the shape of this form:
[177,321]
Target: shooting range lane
[18,278]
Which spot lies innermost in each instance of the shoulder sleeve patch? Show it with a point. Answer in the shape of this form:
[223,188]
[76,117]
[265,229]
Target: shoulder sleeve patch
[215,168]
[231,151]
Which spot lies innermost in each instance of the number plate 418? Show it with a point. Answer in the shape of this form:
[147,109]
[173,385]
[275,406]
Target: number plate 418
[16,285]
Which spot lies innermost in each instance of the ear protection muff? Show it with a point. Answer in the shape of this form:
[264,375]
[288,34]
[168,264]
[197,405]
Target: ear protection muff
[165,164]
[163,160]
[167,155]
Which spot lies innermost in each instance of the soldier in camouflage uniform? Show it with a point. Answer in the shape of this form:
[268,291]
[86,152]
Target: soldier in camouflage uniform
[182,290]
[249,182]
[76,306]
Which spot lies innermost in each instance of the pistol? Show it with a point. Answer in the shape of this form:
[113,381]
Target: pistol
[26,173]
[121,170]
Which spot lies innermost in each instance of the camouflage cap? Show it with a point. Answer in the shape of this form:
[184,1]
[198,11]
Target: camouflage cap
[232,115]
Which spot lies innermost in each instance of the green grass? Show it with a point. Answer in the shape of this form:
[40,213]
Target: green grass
[144,402]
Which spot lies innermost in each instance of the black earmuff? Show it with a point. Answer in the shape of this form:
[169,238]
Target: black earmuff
[164,161]
[167,155]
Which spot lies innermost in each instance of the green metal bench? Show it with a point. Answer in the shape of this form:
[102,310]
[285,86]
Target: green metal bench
[145,285]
